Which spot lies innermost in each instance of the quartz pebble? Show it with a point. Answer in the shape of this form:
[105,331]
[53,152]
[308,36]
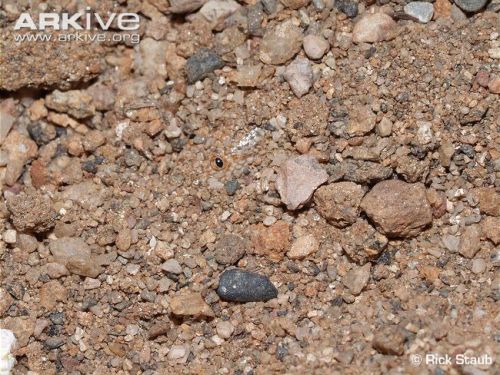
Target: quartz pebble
[375,27]
[357,278]
[303,247]
[238,285]
[299,76]
[420,10]
[315,46]
[297,180]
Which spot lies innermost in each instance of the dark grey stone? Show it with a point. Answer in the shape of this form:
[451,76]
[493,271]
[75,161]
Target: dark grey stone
[238,285]
[349,8]
[270,6]
[202,63]
[471,5]
[231,187]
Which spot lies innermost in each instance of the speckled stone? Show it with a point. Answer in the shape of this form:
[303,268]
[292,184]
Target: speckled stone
[238,285]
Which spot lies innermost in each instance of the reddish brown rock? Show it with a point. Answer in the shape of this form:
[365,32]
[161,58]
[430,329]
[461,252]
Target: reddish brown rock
[362,242]
[489,201]
[190,304]
[491,229]
[389,340]
[273,241]
[398,209]
[31,211]
[339,202]
[470,241]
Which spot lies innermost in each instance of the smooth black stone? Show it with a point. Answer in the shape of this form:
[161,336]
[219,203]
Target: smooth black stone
[238,285]
[202,63]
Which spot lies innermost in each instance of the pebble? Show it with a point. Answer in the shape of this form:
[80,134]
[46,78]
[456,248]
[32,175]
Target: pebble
[442,9]
[389,340]
[215,10]
[7,118]
[271,242]
[489,201]
[297,180]
[56,270]
[362,121]
[384,127]
[19,149]
[303,247]
[90,283]
[494,85]
[376,27]
[357,278]
[295,4]
[190,304]
[446,152]
[7,344]
[202,63]
[31,211]
[238,285]
[10,236]
[470,241]
[123,239]
[478,266]
[280,43]
[349,8]
[315,46]
[73,102]
[151,58]
[177,352]
[398,209]
[231,187]
[172,266]
[75,255]
[6,301]
[451,242]
[491,229]
[230,249]
[362,243]
[270,6]
[299,76]
[420,10]
[339,202]
[471,5]
[224,329]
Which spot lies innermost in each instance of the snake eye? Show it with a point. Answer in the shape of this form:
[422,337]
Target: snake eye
[219,162]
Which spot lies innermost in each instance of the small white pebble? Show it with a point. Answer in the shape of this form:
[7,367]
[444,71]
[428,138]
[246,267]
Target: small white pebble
[7,360]
[10,236]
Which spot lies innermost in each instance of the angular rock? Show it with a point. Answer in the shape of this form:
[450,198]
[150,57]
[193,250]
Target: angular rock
[237,285]
[376,27]
[442,9]
[303,247]
[280,44]
[357,278]
[362,243]
[185,6]
[490,227]
[339,202]
[299,76]
[203,62]
[361,121]
[297,180]
[74,102]
[295,4]
[471,6]
[6,301]
[470,241]
[271,242]
[55,64]
[398,209]
[230,249]
[361,172]
[215,10]
[420,10]
[75,255]
[22,327]
[190,304]
[172,266]
[389,340]
[489,201]
[151,61]
[20,149]
[31,212]
[348,7]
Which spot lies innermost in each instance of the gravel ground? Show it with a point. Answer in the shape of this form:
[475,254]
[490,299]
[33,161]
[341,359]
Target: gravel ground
[255,187]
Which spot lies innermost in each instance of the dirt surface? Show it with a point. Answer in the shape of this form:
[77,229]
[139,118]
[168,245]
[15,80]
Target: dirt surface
[344,156]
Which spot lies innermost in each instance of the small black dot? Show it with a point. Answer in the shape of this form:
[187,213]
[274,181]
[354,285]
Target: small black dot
[218,162]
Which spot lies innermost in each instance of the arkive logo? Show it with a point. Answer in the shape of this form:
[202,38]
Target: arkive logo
[78,21]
